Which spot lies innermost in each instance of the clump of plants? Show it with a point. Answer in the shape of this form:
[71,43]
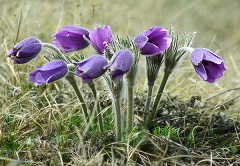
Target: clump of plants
[114,67]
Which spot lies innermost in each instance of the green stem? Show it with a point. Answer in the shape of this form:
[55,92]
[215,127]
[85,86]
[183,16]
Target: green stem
[73,83]
[149,99]
[130,111]
[51,46]
[99,115]
[118,119]
[159,94]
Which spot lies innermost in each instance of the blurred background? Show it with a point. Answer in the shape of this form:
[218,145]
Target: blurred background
[217,24]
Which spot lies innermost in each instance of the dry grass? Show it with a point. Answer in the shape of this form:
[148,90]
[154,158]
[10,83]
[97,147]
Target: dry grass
[43,125]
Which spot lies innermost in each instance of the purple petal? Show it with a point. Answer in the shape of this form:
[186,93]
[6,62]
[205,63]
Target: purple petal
[201,72]
[210,56]
[196,57]
[91,67]
[140,41]
[214,70]
[117,77]
[150,50]
[71,38]
[99,36]
[49,72]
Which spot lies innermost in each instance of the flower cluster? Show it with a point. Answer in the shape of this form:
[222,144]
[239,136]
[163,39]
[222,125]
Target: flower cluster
[113,59]
[68,39]
[152,42]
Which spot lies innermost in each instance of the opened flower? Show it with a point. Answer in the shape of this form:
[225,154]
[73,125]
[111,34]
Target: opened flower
[207,65]
[49,72]
[120,64]
[91,67]
[153,41]
[25,50]
[70,38]
[98,37]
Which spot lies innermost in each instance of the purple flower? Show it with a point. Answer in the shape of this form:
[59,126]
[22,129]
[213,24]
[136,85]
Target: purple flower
[91,67]
[71,38]
[98,37]
[49,72]
[207,65]
[153,41]
[25,50]
[120,64]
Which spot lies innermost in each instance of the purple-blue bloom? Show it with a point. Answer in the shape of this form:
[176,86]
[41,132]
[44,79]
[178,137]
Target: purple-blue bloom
[98,37]
[120,64]
[71,38]
[49,72]
[25,50]
[153,41]
[207,65]
[91,67]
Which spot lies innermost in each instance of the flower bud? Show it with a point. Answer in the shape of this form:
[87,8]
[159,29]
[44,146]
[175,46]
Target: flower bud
[153,41]
[71,38]
[25,50]
[49,72]
[91,67]
[98,37]
[120,64]
[207,65]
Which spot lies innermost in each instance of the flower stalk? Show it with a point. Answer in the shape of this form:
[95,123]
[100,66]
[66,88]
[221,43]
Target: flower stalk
[95,95]
[153,65]
[73,83]
[130,108]
[159,94]
[117,109]
[54,48]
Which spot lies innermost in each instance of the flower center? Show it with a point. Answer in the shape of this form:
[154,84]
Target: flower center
[205,63]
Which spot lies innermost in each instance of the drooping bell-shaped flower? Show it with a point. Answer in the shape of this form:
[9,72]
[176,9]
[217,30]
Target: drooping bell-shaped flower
[25,50]
[49,72]
[153,41]
[71,38]
[98,37]
[207,65]
[91,67]
[120,64]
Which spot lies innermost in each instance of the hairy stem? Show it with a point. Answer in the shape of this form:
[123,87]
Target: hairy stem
[149,99]
[99,115]
[130,108]
[73,83]
[159,94]
[118,119]
[54,48]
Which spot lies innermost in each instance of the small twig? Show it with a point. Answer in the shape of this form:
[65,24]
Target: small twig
[228,101]
[236,88]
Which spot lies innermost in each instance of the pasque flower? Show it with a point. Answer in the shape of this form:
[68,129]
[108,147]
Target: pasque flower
[207,65]
[98,37]
[91,67]
[153,41]
[49,72]
[120,64]
[71,38]
[25,50]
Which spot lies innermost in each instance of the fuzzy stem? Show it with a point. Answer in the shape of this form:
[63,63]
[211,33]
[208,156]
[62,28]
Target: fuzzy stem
[73,83]
[118,119]
[149,99]
[99,115]
[130,111]
[188,49]
[54,48]
[159,94]
[71,66]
